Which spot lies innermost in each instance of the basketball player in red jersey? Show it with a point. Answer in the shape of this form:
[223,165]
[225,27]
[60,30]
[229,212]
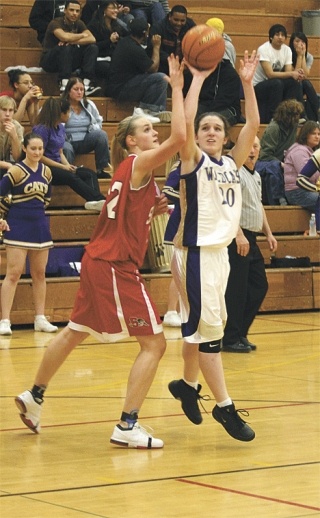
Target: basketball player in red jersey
[112,302]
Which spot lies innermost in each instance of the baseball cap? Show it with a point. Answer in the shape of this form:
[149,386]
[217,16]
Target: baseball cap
[138,27]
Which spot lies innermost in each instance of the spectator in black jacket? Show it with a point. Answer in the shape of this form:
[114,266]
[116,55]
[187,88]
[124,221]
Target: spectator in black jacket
[221,93]
[107,31]
[172,30]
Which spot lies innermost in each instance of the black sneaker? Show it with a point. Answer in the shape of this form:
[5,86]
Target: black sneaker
[245,341]
[237,347]
[232,422]
[189,399]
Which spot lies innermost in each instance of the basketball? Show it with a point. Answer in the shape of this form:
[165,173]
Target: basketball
[203,47]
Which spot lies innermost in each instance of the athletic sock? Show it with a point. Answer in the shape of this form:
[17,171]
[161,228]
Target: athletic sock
[130,419]
[193,384]
[38,392]
[226,402]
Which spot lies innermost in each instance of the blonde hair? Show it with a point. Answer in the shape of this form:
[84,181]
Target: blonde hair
[119,149]
[6,101]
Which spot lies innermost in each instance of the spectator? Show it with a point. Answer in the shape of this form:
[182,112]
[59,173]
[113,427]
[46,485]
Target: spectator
[41,14]
[51,128]
[230,51]
[275,79]
[152,11]
[29,182]
[279,135]
[220,93]
[43,11]
[307,172]
[84,128]
[302,61]
[172,30]
[68,45]
[11,134]
[25,93]
[247,279]
[134,75]
[107,31]
[296,158]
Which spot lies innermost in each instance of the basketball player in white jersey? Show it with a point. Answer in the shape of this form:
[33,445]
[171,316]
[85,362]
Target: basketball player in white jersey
[210,197]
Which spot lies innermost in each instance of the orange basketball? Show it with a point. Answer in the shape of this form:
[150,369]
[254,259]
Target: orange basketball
[203,47]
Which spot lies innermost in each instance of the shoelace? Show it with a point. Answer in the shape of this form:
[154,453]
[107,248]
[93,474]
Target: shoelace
[243,412]
[144,429]
[206,397]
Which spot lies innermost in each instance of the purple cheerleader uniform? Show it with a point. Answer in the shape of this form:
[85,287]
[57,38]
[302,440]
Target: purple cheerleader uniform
[31,192]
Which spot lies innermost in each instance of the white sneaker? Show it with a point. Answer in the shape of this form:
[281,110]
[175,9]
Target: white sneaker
[5,327]
[95,205]
[30,411]
[63,84]
[42,324]
[136,437]
[172,319]
[164,116]
[90,88]
[139,112]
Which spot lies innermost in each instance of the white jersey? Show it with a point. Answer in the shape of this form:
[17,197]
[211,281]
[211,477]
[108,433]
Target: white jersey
[210,199]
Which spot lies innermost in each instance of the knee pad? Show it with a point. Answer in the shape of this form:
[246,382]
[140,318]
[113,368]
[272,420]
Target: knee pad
[210,347]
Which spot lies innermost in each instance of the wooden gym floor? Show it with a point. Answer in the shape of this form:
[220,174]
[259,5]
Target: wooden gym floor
[71,470]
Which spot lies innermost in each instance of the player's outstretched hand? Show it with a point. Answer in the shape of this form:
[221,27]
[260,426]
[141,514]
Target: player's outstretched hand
[248,66]
[176,69]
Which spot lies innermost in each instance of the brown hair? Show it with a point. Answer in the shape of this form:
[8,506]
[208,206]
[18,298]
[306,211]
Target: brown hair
[288,113]
[305,131]
[72,81]
[198,120]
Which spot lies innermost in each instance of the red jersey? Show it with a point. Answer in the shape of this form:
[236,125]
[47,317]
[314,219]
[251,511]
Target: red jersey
[123,227]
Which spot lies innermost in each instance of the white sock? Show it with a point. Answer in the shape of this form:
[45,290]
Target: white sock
[39,317]
[193,384]
[226,402]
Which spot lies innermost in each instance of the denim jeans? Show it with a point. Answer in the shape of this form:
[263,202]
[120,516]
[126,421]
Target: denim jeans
[95,140]
[305,199]
[150,90]
[153,13]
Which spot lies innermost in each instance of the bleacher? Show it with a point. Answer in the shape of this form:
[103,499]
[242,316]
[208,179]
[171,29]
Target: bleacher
[71,226]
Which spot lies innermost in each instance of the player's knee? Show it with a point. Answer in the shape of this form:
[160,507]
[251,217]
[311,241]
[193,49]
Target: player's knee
[210,347]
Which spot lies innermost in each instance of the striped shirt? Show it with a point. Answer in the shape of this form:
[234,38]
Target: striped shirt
[252,210]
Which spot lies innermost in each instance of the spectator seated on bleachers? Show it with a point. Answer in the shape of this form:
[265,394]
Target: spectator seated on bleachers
[278,136]
[275,78]
[153,11]
[221,93]
[134,76]
[11,134]
[84,132]
[68,46]
[172,29]
[25,93]
[107,31]
[303,60]
[43,11]
[297,156]
[51,128]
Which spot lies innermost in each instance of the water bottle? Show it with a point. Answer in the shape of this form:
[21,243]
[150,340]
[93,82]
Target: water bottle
[312,226]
